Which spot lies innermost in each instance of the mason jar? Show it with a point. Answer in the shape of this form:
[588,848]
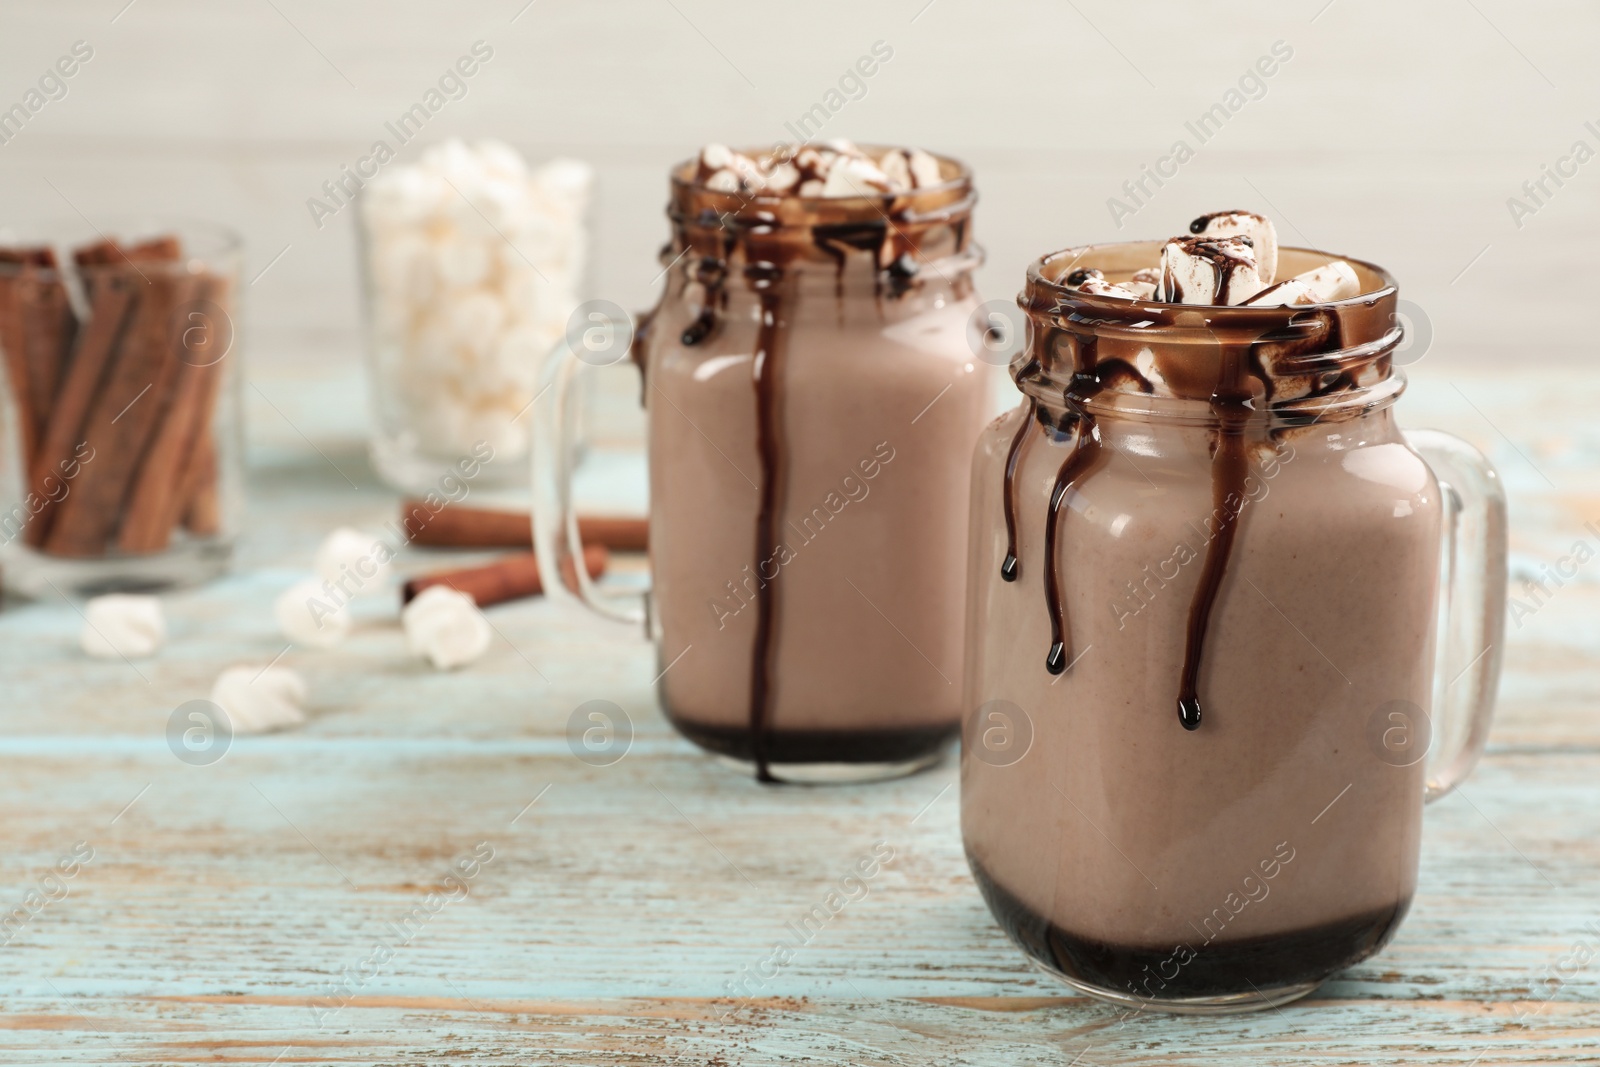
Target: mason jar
[813,403]
[1228,627]
[121,464]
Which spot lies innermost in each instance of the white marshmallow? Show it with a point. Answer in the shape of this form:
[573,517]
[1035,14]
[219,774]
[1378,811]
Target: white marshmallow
[1101,287]
[723,181]
[463,262]
[1195,270]
[446,627]
[354,561]
[925,170]
[122,625]
[715,157]
[257,700]
[812,187]
[1331,281]
[896,168]
[1262,233]
[309,614]
[460,245]
[783,178]
[1143,283]
[853,176]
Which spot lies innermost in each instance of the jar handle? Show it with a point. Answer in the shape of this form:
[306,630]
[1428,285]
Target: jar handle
[556,542]
[1471,626]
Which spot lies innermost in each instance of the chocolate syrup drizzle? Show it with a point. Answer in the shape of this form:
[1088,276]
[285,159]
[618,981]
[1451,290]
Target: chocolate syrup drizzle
[1008,567]
[1253,345]
[772,236]
[766,373]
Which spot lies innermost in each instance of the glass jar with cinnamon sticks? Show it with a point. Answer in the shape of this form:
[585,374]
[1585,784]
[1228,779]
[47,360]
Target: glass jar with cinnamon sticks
[120,452]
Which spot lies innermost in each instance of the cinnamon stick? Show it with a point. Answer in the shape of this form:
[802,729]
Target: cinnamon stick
[504,579]
[123,417]
[156,501]
[15,264]
[201,497]
[455,526]
[48,328]
[111,300]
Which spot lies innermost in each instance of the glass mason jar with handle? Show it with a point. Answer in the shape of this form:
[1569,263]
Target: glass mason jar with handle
[1229,626]
[813,404]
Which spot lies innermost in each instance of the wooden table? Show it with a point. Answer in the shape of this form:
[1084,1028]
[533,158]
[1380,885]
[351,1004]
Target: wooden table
[224,905]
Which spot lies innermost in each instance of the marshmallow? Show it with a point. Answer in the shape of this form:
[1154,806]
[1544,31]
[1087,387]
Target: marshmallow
[453,271]
[832,169]
[353,562]
[783,178]
[446,627]
[1208,270]
[896,168]
[925,169]
[121,625]
[715,157]
[853,176]
[310,613]
[1143,283]
[1101,287]
[723,181]
[1331,281]
[1263,236]
[257,700]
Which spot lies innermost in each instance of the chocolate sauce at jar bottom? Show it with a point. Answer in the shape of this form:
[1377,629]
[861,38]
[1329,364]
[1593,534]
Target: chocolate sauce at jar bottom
[1221,968]
[896,745]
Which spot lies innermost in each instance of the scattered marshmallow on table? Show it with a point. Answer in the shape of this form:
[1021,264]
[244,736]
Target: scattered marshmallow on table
[446,627]
[474,263]
[122,625]
[309,613]
[257,700]
[353,562]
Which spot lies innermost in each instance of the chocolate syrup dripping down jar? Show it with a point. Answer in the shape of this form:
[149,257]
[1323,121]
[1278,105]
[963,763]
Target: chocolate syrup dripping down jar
[1228,628]
[813,402]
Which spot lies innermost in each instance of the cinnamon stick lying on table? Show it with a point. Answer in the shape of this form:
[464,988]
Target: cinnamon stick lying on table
[455,526]
[504,579]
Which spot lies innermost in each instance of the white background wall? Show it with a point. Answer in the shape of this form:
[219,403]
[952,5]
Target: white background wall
[1397,131]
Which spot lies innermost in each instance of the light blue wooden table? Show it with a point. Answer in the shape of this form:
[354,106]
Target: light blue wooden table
[274,907]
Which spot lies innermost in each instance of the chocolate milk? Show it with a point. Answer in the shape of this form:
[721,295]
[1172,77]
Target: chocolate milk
[813,402]
[1202,573]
